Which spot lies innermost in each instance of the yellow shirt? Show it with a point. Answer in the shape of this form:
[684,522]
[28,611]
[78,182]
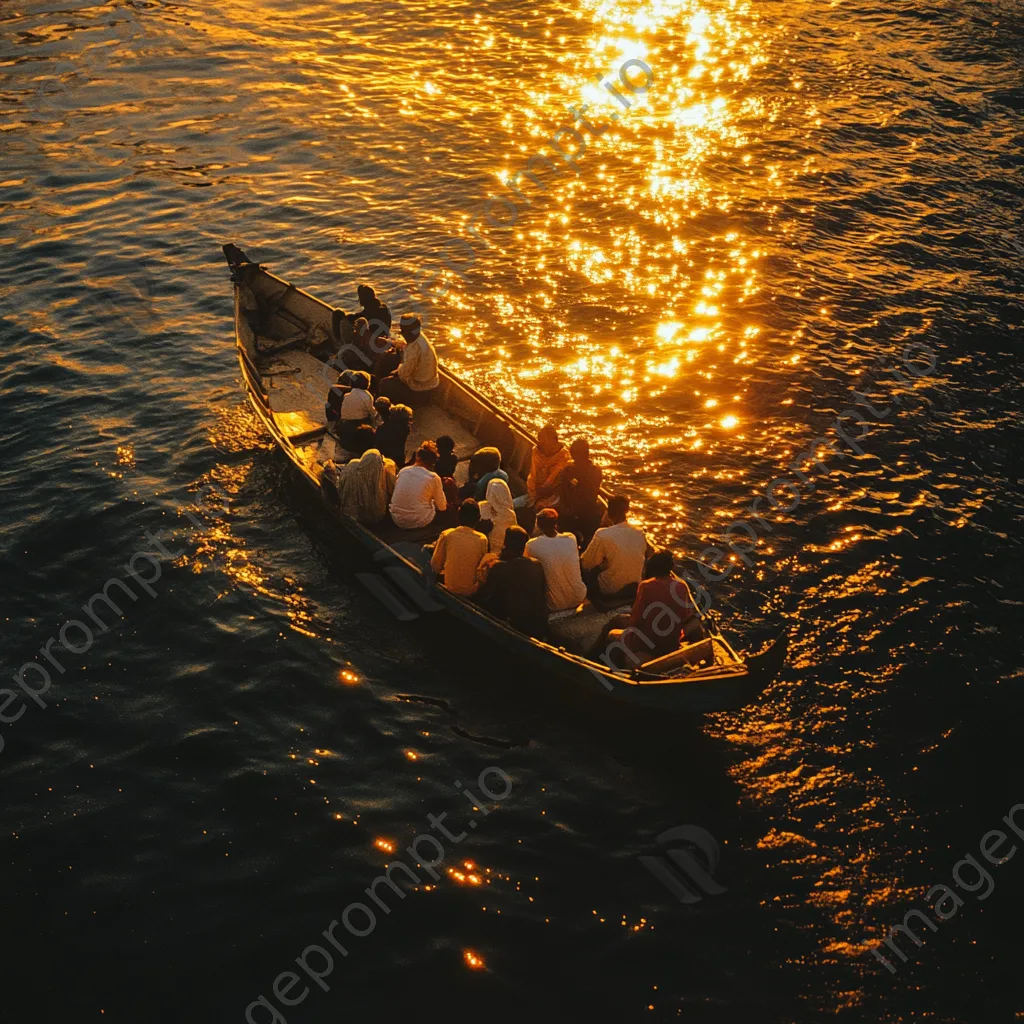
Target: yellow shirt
[457,554]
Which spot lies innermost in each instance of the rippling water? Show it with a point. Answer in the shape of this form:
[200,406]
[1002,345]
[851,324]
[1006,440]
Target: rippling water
[803,191]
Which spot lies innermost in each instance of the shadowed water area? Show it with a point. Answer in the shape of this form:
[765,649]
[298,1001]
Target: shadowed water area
[807,196]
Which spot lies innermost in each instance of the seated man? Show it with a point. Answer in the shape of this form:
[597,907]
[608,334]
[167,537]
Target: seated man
[416,379]
[377,315]
[664,617]
[560,556]
[447,459]
[419,494]
[458,551]
[356,408]
[614,560]
[515,589]
[484,466]
[393,433]
[580,488]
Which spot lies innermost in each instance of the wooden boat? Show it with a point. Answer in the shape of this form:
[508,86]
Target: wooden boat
[276,326]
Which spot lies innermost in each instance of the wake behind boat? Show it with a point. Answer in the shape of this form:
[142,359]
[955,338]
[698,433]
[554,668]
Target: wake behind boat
[284,338]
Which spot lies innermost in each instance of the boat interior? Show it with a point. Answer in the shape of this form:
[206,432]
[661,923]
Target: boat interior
[288,338]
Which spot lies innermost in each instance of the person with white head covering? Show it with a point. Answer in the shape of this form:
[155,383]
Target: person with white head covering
[416,377]
[498,508]
[365,486]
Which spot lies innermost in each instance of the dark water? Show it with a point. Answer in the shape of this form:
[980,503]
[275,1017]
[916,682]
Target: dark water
[805,190]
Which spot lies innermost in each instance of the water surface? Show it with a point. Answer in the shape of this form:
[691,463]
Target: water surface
[803,192]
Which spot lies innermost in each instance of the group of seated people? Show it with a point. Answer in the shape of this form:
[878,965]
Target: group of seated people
[404,368]
[485,553]
[530,582]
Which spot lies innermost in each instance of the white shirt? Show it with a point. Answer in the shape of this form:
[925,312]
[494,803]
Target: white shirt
[621,549]
[419,365]
[357,405]
[561,560]
[419,495]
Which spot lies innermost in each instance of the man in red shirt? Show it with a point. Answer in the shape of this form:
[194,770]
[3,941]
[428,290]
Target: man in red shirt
[664,616]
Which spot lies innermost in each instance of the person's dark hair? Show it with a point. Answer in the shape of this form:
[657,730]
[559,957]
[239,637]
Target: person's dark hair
[618,506]
[469,513]
[580,449]
[659,564]
[445,444]
[403,414]
[361,380]
[548,525]
[383,407]
[427,452]
[515,542]
[362,440]
[365,292]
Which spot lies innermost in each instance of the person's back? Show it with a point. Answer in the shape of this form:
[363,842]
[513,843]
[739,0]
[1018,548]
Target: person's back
[356,409]
[580,489]
[418,369]
[516,589]
[559,555]
[375,312]
[365,485]
[391,436]
[664,616]
[618,551]
[419,493]
[458,552]
[547,462]
[499,510]
[447,459]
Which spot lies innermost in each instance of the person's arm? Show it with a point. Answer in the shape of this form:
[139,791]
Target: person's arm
[567,485]
[410,362]
[636,614]
[531,479]
[594,555]
[487,593]
[440,502]
[440,553]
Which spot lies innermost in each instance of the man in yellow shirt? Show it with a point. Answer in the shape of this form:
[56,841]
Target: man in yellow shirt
[458,552]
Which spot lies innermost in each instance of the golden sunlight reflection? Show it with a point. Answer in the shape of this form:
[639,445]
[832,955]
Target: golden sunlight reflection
[641,240]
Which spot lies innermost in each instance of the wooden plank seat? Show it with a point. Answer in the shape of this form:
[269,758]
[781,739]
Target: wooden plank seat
[690,656]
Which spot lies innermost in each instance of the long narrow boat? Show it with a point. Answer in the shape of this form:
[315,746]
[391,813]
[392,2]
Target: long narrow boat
[279,329]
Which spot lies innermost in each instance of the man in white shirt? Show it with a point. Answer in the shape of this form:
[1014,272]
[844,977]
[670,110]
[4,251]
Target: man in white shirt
[419,493]
[416,377]
[614,559]
[560,556]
